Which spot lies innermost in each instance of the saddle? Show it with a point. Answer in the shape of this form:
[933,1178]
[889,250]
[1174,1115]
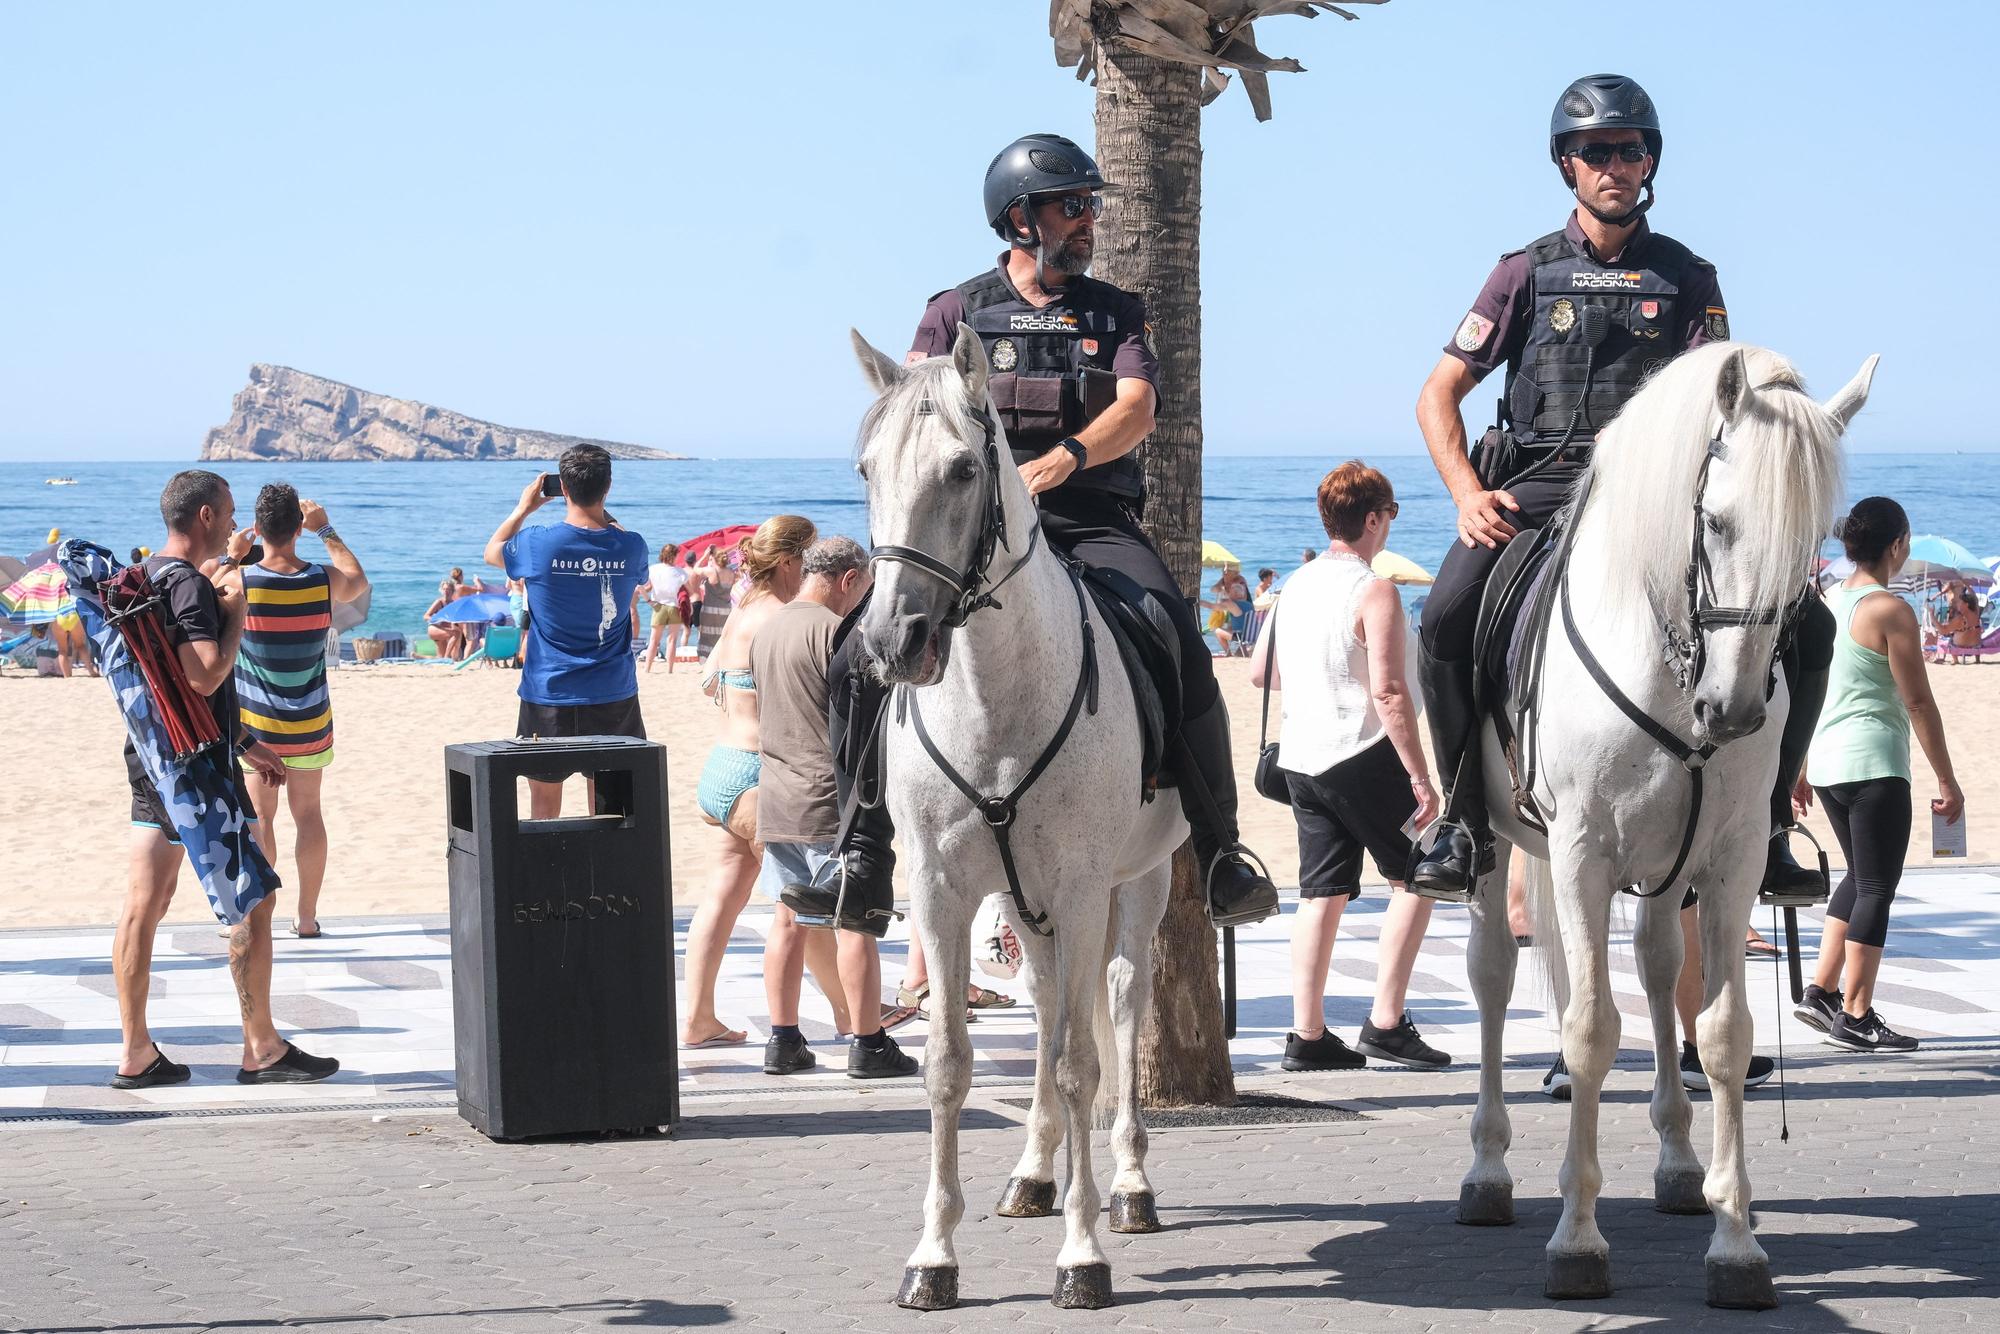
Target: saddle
[1151,651]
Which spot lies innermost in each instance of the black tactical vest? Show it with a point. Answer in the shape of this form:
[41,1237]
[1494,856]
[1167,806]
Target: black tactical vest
[1051,370]
[1546,378]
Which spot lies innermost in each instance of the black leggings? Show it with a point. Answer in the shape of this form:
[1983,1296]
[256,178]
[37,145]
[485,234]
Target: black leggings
[1872,821]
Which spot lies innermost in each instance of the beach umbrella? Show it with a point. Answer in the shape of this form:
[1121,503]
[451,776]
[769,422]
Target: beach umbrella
[692,549]
[1934,557]
[1399,569]
[1214,553]
[477,609]
[39,596]
[347,615]
[11,568]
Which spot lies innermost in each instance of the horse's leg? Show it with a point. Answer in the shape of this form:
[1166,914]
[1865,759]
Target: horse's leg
[1738,1270]
[1083,1275]
[1031,1190]
[1486,1196]
[1129,987]
[1657,941]
[1579,1259]
[930,1280]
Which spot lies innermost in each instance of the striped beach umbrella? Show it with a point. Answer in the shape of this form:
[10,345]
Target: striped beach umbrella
[39,596]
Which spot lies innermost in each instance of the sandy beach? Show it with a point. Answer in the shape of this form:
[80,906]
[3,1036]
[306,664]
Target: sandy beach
[68,814]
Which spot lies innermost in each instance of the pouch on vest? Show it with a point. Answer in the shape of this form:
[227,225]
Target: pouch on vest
[1030,406]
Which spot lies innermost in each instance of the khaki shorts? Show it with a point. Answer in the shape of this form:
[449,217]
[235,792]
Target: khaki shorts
[668,615]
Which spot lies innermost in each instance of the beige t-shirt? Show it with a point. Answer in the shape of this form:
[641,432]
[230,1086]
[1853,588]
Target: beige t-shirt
[796,800]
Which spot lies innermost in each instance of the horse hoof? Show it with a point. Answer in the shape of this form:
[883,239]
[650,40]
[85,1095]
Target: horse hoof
[1486,1204]
[1027,1199]
[1083,1287]
[1679,1193]
[1134,1211]
[929,1288]
[1735,1285]
[1579,1277]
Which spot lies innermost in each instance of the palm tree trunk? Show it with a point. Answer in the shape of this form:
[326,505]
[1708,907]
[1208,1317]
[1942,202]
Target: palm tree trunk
[1149,145]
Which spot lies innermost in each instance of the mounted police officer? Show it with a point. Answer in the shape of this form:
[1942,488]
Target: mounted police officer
[1073,384]
[1580,318]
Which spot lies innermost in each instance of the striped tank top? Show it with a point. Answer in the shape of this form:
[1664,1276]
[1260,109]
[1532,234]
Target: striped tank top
[281,667]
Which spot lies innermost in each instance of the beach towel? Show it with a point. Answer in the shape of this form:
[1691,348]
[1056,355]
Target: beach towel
[198,790]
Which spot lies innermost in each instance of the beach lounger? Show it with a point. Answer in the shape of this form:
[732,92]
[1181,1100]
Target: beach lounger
[497,649]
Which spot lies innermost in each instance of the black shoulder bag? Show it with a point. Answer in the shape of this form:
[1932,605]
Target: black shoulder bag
[1270,780]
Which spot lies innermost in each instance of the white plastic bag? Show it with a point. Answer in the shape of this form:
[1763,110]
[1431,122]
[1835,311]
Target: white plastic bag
[996,950]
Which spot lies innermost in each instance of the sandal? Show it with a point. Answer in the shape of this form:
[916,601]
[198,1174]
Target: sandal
[919,1000]
[728,1037]
[292,1067]
[161,1071]
[985,998]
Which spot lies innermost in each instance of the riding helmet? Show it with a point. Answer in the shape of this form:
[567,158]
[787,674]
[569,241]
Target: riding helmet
[1605,102]
[1036,164]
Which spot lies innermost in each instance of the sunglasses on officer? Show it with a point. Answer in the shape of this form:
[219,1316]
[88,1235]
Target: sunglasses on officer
[1074,206]
[1599,155]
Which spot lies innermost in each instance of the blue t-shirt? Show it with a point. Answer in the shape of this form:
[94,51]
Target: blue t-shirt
[580,586]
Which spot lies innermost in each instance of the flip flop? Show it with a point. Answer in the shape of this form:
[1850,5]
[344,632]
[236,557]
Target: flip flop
[161,1071]
[1761,949]
[294,1067]
[896,1018]
[728,1037]
[313,934]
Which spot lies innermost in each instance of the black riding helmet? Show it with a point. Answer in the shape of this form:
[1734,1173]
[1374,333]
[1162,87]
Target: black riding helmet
[1606,102]
[1036,164]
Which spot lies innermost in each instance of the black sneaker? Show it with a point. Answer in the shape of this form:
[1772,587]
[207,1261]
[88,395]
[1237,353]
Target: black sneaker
[1817,1008]
[1868,1033]
[887,1061]
[1400,1045]
[1325,1052]
[787,1056]
[1695,1080]
[1556,1082]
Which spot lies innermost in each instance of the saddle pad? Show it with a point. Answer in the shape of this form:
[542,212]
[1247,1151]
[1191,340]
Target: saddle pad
[1150,650]
[1497,636]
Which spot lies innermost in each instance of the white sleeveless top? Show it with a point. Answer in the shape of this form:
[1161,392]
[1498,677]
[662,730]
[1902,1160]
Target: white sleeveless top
[1329,708]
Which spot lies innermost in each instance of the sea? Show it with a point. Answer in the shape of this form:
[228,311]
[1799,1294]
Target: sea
[409,523]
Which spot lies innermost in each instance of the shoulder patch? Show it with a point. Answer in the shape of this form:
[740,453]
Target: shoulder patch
[1473,332]
[1715,323]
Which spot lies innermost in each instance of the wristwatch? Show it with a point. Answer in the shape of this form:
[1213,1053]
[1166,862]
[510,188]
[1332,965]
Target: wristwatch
[226,559]
[1077,451]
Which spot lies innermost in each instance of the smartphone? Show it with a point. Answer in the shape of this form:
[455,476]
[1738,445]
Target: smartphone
[552,484]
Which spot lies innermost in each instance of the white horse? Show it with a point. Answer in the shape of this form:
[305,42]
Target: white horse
[982,629]
[1706,503]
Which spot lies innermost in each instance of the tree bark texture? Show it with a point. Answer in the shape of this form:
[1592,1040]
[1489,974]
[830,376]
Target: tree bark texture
[1149,145]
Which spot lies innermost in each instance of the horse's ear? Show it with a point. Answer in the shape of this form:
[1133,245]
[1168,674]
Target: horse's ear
[1732,387]
[1845,404]
[968,354]
[881,373]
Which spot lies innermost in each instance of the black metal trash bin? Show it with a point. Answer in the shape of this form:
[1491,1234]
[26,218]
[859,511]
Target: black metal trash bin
[562,941]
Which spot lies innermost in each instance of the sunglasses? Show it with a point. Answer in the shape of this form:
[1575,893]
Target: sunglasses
[1075,206]
[1599,155]
[1392,509]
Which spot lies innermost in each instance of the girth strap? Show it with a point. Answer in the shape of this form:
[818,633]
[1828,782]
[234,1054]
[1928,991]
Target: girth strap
[1000,812]
[1692,758]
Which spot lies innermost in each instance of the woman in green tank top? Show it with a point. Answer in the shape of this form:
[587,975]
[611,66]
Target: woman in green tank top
[1859,767]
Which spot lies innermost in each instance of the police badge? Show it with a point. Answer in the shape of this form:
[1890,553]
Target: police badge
[1716,324]
[1562,315]
[1005,355]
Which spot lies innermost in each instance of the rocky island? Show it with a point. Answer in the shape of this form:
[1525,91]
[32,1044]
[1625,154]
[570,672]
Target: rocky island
[288,414]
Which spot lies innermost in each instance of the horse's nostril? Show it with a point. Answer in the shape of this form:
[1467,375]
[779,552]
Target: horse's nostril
[916,631]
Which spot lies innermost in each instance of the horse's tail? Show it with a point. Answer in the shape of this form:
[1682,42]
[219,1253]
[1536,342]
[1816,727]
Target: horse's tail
[1538,892]
[1102,1030]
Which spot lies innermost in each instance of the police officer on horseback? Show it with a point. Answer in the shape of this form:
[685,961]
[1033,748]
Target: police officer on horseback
[1580,318]
[1073,379]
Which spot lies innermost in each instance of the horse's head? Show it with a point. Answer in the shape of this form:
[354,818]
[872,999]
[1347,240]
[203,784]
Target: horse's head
[929,456]
[1723,475]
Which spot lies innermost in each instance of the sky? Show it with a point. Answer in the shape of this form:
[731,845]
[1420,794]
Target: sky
[655,222]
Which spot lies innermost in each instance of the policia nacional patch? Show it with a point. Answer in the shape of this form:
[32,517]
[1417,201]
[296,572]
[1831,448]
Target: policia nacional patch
[1716,324]
[1005,355]
[1562,315]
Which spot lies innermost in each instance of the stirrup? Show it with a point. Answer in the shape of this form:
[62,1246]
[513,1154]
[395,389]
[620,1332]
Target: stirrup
[1481,854]
[1800,898]
[825,922]
[1208,886]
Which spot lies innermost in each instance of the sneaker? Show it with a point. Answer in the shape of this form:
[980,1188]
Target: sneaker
[787,1056]
[1868,1033]
[1556,1082]
[1818,1008]
[1325,1052]
[1400,1045]
[1695,1080]
[887,1061]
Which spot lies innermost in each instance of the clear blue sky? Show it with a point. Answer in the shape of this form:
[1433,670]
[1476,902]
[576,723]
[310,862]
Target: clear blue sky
[655,222]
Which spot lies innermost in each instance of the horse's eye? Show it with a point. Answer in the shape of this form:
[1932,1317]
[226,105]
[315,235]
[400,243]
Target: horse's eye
[963,471]
[861,471]
[1717,526]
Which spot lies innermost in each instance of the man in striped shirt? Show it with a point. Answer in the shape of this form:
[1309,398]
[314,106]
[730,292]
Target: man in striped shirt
[281,684]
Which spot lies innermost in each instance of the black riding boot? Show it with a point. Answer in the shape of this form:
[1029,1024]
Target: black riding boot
[1461,848]
[1785,881]
[1238,893]
[863,869]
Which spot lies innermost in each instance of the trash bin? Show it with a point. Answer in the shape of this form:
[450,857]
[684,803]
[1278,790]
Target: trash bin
[562,941]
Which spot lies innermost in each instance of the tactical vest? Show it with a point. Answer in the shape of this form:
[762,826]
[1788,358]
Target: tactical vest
[1052,371]
[1546,377]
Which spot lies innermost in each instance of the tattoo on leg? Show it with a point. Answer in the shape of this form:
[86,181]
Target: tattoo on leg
[239,969]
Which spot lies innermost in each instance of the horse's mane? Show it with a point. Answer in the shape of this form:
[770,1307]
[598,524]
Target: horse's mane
[932,385]
[1784,456]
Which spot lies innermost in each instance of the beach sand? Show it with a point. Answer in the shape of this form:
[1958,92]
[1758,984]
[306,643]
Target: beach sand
[68,810]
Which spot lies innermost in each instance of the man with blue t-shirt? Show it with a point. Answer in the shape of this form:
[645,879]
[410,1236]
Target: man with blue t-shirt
[581,574]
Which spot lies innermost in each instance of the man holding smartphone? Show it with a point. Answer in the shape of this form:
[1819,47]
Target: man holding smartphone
[580,574]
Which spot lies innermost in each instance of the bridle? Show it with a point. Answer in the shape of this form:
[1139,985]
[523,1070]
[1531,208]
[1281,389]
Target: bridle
[969,587]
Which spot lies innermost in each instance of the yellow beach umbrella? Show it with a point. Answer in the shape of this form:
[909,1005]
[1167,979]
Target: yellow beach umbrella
[1399,569]
[1214,553]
